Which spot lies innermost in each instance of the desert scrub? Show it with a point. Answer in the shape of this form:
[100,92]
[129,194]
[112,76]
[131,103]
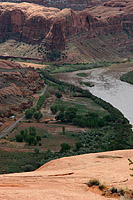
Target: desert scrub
[130,163]
[93,182]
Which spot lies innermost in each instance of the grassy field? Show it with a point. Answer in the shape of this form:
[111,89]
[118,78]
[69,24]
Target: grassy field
[66,67]
[128,77]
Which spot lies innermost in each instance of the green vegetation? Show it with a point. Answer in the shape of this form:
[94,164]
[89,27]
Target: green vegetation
[38,115]
[128,77]
[104,127]
[36,150]
[93,182]
[65,147]
[53,55]
[82,74]
[130,163]
[110,191]
[40,102]
[66,67]
[28,136]
[88,84]
[111,132]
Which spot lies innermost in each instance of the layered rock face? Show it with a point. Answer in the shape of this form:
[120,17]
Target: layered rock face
[17,84]
[34,23]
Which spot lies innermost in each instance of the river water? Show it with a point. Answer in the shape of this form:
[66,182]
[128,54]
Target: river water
[107,86]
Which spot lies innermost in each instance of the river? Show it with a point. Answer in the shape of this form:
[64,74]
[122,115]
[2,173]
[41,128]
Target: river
[107,85]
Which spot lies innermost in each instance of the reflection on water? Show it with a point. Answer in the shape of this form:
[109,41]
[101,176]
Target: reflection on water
[111,89]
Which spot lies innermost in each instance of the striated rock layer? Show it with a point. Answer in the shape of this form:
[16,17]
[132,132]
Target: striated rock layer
[65,178]
[34,23]
[17,84]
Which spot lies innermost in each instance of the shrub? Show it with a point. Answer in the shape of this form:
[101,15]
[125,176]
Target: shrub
[130,163]
[65,147]
[113,190]
[36,150]
[28,168]
[79,145]
[58,95]
[54,109]
[93,182]
[38,137]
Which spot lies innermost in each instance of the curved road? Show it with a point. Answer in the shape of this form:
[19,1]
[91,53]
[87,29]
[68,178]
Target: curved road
[16,122]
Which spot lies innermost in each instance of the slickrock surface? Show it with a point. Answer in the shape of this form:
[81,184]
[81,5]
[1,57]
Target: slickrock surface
[65,178]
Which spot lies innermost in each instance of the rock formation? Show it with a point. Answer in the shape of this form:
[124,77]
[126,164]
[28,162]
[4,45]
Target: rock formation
[53,28]
[34,23]
[65,178]
[17,84]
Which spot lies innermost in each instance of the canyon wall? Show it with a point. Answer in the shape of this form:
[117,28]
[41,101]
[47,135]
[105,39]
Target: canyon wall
[52,27]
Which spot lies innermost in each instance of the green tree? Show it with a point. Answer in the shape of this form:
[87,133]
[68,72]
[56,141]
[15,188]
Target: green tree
[30,139]
[61,117]
[25,134]
[38,137]
[53,55]
[79,145]
[19,138]
[22,132]
[38,115]
[58,95]
[70,114]
[54,109]
[29,114]
[32,131]
[63,130]
[65,147]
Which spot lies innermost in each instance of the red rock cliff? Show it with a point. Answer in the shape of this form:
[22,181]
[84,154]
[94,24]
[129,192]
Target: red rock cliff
[34,23]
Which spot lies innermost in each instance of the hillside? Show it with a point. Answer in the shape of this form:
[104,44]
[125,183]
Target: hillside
[61,4]
[65,178]
[102,32]
[17,86]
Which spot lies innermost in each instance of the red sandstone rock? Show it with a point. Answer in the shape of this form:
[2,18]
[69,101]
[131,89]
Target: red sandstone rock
[17,84]
[51,26]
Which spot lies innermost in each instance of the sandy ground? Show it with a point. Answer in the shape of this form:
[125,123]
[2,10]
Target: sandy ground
[65,178]
[26,64]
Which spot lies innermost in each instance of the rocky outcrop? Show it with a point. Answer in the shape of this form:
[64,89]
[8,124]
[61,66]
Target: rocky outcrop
[17,84]
[33,23]
[66,178]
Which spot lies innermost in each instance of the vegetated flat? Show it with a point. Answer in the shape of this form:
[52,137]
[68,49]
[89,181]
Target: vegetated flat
[51,133]
[128,77]
[96,134]
[20,49]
